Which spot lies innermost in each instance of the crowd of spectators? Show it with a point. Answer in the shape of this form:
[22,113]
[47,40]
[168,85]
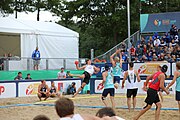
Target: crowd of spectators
[157,48]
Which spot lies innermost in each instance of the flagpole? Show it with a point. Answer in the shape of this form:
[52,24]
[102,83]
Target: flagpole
[128,12]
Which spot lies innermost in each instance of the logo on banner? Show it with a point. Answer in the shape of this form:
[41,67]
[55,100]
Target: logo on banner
[157,22]
[32,89]
[142,69]
[2,89]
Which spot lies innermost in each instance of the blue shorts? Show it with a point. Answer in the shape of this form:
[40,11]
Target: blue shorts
[177,95]
[117,79]
[108,91]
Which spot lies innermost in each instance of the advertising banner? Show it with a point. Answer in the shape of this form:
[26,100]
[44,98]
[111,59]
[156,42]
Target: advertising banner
[160,22]
[7,90]
[29,88]
[140,86]
[145,69]
[63,85]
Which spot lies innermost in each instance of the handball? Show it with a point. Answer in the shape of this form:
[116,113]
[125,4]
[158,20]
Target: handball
[116,85]
[76,62]
[100,86]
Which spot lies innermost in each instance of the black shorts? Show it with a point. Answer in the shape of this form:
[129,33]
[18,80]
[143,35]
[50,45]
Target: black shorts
[117,79]
[43,95]
[177,95]
[131,92]
[108,91]
[87,77]
[152,96]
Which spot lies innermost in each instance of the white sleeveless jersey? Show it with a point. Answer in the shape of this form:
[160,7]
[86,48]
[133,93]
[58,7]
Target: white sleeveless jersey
[75,117]
[89,69]
[131,80]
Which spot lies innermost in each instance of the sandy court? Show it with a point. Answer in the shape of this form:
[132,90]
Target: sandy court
[28,112]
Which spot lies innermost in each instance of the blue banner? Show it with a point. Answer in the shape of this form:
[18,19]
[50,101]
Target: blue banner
[159,22]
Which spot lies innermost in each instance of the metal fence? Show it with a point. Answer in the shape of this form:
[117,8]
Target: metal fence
[123,45]
[22,63]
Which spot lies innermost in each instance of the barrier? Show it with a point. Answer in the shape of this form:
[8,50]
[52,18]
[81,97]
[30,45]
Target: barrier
[95,82]
[23,88]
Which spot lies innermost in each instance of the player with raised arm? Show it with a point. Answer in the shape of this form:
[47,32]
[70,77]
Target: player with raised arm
[88,71]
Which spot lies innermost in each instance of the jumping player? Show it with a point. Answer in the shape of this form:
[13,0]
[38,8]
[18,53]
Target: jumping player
[176,79]
[108,86]
[43,90]
[117,65]
[89,70]
[132,77]
[152,93]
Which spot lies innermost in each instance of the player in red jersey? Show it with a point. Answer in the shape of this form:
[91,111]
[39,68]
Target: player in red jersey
[152,92]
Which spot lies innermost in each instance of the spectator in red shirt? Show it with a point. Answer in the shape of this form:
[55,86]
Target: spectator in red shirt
[133,50]
[145,50]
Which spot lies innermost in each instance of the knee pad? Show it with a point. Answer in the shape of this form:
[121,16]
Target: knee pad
[103,98]
[145,106]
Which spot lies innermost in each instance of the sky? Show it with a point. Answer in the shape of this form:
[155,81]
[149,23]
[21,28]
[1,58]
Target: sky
[44,16]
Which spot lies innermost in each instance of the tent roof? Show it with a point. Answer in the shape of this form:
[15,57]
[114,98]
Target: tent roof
[11,25]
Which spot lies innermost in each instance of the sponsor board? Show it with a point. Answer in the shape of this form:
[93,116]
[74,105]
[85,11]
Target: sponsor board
[29,88]
[145,69]
[7,90]
[63,85]
[139,85]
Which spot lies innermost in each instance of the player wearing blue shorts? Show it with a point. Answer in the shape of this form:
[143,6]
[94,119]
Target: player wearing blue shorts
[117,66]
[108,86]
[176,79]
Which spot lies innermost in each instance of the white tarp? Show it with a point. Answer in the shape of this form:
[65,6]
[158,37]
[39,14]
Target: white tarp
[53,40]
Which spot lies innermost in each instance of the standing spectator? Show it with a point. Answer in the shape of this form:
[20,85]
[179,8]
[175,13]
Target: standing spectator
[36,58]
[61,74]
[139,52]
[28,77]
[156,42]
[71,89]
[19,76]
[173,31]
[43,90]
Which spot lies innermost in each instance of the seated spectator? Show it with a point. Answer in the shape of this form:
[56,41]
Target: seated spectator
[170,49]
[162,44]
[71,89]
[139,52]
[144,50]
[28,77]
[69,75]
[41,117]
[149,56]
[157,50]
[136,60]
[156,42]
[1,64]
[154,58]
[155,36]
[176,39]
[53,90]
[161,57]
[142,43]
[19,76]
[65,110]
[132,51]
[151,40]
[144,58]
[161,50]
[61,74]
[174,58]
[168,57]
[178,54]
[148,46]
[173,43]
[107,111]
[43,90]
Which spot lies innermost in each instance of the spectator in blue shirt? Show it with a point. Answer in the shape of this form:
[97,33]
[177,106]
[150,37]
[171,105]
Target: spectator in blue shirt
[124,57]
[36,58]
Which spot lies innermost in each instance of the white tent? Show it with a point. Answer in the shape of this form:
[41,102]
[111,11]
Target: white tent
[54,41]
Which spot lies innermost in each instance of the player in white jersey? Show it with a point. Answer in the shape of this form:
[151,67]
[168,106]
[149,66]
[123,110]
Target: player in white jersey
[132,77]
[88,71]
